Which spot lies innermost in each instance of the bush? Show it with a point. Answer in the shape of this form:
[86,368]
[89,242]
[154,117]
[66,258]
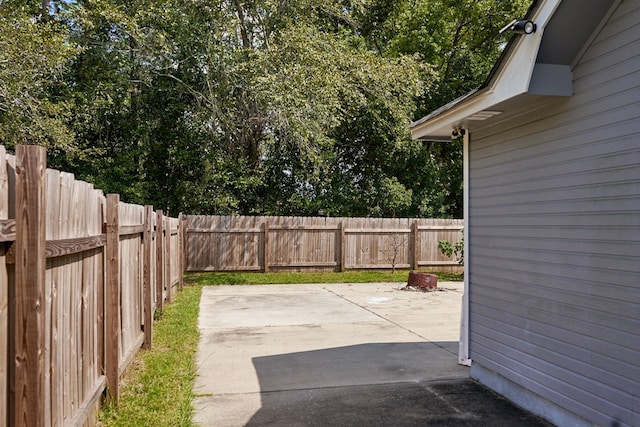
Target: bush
[453,249]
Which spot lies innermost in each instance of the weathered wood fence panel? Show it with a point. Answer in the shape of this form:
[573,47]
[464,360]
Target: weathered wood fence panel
[260,243]
[302,243]
[80,270]
[131,281]
[224,243]
[74,289]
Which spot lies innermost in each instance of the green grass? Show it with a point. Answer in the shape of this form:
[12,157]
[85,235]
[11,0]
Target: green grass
[293,278]
[157,389]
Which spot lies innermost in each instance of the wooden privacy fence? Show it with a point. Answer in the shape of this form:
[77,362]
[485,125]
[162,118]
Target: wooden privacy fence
[262,243]
[81,276]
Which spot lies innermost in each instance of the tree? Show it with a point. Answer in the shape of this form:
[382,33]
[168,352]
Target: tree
[338,115]
[459,39]
[395,246]
[33,57]
[248,106]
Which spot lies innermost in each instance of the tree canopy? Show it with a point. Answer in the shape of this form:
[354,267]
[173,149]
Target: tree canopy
[287,107]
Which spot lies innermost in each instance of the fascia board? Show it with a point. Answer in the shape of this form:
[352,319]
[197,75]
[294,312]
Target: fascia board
[514,78]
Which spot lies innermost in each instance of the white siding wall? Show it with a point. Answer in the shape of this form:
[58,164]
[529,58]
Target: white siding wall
[555,238]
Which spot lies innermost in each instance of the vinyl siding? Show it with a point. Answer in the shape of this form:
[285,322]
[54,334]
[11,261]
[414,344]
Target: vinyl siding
[554,236]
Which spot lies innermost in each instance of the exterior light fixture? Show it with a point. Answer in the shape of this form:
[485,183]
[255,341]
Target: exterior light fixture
[520,27]
[457,132]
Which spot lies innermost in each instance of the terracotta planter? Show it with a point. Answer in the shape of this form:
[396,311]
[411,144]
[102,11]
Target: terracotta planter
[422,280]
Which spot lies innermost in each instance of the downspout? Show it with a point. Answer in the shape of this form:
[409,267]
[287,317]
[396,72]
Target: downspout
[463,349]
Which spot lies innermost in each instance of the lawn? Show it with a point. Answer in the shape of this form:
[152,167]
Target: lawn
[157,388]
[293,278]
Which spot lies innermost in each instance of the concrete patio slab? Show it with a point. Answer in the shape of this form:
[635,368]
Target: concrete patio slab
[322,354]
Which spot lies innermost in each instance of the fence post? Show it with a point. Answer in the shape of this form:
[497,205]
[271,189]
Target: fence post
[112,299]
[159,260]
[416,244]
[341,246]
[185,246]
[181,249]
[265,249]
[147,294]
[167,257]
[30,263]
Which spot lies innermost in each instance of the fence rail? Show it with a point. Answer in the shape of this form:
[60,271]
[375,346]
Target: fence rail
[81,275]
[263,243]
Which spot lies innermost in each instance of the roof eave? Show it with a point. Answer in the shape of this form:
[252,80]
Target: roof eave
[509,78]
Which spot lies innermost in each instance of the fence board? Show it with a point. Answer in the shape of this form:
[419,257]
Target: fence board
[241,243]
[5,170]
[53,309]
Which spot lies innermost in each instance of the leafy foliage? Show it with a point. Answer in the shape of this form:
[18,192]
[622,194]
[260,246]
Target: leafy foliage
[248,106]
[453,249]
[33,58]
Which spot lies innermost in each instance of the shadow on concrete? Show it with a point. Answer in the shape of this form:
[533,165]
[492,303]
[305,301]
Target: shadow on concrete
[382,384]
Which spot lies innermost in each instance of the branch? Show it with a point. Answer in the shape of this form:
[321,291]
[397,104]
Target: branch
[243,28]
[454,46]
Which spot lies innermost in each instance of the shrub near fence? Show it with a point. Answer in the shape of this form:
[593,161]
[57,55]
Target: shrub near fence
[81,275]
[263,243]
